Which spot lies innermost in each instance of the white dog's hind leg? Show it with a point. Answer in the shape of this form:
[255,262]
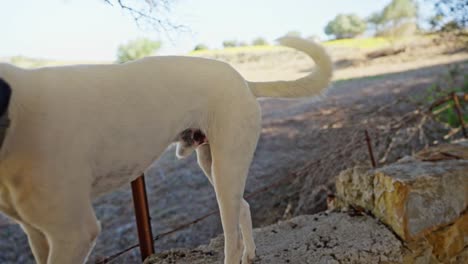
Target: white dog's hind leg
[229,186]
[231,161]
[247,235]
[37,242]
[204,160]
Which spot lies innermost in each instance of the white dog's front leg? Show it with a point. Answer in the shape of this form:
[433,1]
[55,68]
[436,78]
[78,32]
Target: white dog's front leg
[69,224]
[229,181]
[37,242]
[73,242]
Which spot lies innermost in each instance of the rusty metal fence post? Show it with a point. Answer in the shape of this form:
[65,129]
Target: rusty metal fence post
[369,148]
[143,219]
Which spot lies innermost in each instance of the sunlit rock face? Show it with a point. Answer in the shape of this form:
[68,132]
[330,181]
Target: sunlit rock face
[424,197]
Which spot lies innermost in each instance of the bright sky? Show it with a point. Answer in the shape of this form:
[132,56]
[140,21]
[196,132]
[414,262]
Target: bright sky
[92,30]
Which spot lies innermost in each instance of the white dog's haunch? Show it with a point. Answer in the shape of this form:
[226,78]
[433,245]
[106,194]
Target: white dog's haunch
[69,134]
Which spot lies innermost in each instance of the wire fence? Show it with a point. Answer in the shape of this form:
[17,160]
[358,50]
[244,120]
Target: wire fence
[183,226]
[280,182]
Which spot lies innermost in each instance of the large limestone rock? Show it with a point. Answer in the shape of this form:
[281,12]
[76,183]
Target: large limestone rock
[321,238]
[421,198]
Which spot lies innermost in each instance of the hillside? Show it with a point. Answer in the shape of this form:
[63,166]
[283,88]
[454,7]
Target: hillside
[306,140]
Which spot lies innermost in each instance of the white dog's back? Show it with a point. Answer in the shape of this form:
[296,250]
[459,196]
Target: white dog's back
[78,113]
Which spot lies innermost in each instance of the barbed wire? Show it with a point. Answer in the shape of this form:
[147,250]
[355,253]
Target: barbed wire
[111,258]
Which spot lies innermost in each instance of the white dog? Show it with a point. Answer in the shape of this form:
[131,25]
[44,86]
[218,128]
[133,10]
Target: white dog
[77,132]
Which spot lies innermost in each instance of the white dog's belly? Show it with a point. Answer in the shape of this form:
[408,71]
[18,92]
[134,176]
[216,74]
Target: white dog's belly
[119,167]
[104,182]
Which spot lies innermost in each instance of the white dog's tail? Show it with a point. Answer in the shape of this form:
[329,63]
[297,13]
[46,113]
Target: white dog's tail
[313,84]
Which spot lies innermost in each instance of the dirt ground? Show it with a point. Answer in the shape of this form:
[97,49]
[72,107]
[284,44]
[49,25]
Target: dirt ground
[307,140]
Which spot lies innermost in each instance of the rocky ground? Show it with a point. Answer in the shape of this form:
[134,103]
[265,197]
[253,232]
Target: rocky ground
[420,203]
[306,140]
[321,238]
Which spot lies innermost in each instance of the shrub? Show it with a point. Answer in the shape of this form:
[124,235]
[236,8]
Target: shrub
[229,43]
[200,47]
[346,26]
[137,49]
[454,81]
[259,42]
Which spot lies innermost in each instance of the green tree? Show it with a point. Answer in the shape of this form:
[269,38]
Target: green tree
[200,47]
[399,18]
[399,11]
[451,26]
[346,26]
[229,43]
[376,20]
[259,42]
[137,49]
[435,21]
[451,11]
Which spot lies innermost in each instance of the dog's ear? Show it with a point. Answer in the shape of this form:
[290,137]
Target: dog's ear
[5,94]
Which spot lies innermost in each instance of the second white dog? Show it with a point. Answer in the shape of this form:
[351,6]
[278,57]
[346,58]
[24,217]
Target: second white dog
[77,132]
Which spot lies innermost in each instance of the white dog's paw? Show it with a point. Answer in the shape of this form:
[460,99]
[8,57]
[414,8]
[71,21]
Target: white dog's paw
[248,257]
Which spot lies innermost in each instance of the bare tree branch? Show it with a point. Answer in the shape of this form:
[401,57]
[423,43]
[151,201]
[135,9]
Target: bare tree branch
[149,14]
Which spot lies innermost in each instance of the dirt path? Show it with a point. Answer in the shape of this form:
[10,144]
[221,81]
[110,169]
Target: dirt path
[312,139]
